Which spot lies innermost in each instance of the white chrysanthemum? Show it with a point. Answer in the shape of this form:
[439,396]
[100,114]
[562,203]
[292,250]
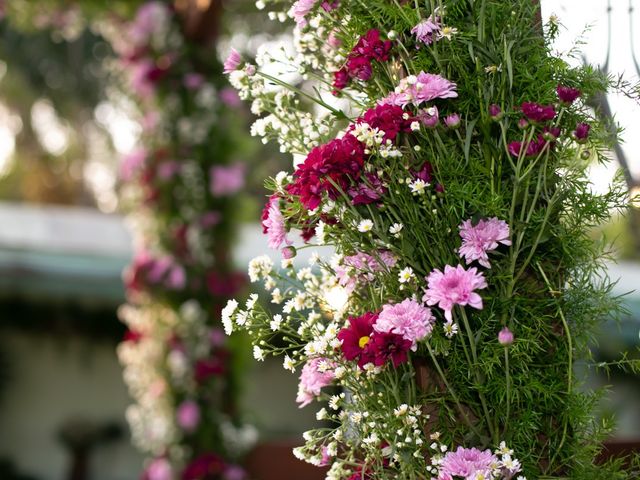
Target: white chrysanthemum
[365,226]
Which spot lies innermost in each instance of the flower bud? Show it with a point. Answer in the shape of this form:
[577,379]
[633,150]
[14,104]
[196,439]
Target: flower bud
[505,337]
[289,252]
[452,121]
[581,133]
[523,123]
[495,111]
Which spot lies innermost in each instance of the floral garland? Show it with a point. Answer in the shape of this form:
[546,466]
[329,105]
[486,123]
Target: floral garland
[449,176]
[180,186]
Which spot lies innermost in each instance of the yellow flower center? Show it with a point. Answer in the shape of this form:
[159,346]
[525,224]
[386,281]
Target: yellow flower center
[363,341]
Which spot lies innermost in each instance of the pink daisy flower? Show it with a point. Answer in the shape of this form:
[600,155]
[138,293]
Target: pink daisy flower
[424,87]
[273,224]
[467,463]
[482,238]
[232,62]
[454,286]
[408,318]
[425,31]
[312,380]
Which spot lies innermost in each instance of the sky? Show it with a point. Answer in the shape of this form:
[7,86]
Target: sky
[576,16]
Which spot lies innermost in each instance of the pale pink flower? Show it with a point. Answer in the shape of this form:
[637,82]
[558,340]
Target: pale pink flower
[230,97]
[132,163]
[407,318]
[467,463]
[167,170]
[232,62]
[193,81]
[421,88]
[454,286]
[312,380]
[226,179]
[188,415]
[425,31]
[482,238]
[301,9]
[150,18]
[274,225]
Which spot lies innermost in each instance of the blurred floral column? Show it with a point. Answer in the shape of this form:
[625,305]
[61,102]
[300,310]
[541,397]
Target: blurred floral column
[180,186]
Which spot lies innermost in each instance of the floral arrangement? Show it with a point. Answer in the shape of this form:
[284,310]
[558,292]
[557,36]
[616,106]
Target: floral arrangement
[180,186]
[440,149]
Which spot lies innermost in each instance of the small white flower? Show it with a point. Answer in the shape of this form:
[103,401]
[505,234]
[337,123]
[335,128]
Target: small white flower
[401,410]
[258,353]
[276,296]
[450,329]
[395,229]
[415,126]
[447,32]
[365,226]
[276,322]
[288,364]
[251,301]
[322,414]
[406,275]
[418,186]
[339,372]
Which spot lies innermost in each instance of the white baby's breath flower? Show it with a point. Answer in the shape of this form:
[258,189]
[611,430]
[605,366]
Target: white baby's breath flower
[258,353]
[289,364]
[322,414]
[415,126]
[365,226]
[401,410]
[275,322]
[227,313]
[276,296]
[251,301]
[339,372]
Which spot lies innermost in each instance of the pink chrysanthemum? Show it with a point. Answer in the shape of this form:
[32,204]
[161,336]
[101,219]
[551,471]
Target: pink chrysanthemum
[301,9]
[273,224]
[360,269]
[419,89]
[467,463]
[407,318]
[482,238]
[454,286]
[425,31]
[312,380]
[232,62]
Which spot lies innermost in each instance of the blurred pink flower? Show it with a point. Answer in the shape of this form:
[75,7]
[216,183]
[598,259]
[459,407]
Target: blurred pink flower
[188,415]
[193,81]
[158,469]
[226,179]
[301,9]
[484,237]
[454,286]
[132,163]
[229,97]
[425,31]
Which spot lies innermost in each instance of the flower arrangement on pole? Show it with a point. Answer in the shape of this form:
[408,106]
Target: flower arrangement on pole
[441,149]
[180,187]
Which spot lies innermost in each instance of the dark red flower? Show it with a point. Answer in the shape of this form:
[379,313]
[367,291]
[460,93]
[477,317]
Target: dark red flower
[132,336]
[385,346]
[208,466]
[209,367]
[356,336]
[225,285]
[581,133]
[360,68]
[370,46]
[567,95]
[538,113]
[338,162]
[340,79]
[388,118]
[495,111]
[369,191]
[425,173]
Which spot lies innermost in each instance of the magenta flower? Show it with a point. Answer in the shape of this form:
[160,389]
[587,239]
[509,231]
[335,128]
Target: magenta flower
[484,237]
[356,336]
[408,318]
[538,113]
[193,81]
[430,117]
[567,95]
[533,149]
[454,286]
[226,179]
[467,463]
[229,97]
[188,415]
[232,62]
[421,88]
[581,133]
[273,224]
[426,30]
[312,380]
[207,465]
[132,163]
[301,9]
[505,337]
